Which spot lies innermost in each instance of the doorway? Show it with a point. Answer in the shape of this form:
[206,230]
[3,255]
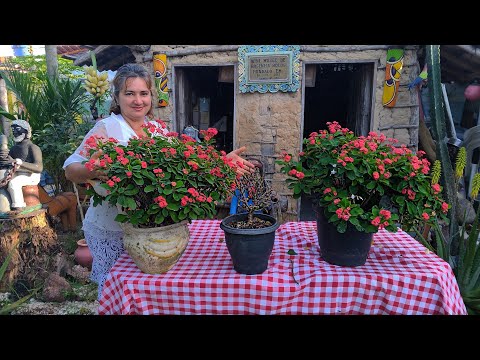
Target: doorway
[204,98]
[341,92]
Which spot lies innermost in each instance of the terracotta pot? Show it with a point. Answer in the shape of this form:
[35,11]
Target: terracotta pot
[30,195]
[82,254]
[156,250]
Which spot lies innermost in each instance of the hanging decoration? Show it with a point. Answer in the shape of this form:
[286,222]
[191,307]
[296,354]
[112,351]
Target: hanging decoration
[393,71]
[160,68]
[420,79]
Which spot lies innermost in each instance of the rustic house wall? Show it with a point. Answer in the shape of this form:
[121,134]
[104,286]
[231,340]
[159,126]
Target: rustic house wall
[271,123]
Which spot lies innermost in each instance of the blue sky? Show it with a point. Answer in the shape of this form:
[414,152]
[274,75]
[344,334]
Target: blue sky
[6,50]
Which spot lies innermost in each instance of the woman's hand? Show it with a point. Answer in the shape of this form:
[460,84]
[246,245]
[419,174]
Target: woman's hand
[98,174]
[243,166]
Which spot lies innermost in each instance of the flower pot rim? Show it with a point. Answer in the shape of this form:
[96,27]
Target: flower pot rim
[82,242]
[127,225]
[231,230]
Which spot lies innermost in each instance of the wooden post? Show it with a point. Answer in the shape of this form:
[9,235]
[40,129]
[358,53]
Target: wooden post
[4,105]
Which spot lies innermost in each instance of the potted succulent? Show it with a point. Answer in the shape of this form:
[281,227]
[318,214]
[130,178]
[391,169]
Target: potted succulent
[360,185]
[160,184]
[250,233]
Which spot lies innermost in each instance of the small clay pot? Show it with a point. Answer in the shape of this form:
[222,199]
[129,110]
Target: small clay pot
[82,254]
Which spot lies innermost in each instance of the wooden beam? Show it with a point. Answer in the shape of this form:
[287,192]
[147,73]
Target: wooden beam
[139,48]
[115,62]
[85,58]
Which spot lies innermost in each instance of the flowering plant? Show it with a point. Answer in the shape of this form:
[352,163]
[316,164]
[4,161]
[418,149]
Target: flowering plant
[162,179]
[365,181]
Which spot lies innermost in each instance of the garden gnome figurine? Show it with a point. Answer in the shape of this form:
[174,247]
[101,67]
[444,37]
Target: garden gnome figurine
[27,158]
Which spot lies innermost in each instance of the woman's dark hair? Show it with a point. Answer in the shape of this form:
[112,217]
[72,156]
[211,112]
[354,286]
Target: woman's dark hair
[124,73]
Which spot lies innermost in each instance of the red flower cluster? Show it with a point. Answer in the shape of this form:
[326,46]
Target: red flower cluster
[369,181]
[162,180]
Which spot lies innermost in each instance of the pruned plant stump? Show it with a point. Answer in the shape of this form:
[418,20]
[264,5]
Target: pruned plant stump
[35,244]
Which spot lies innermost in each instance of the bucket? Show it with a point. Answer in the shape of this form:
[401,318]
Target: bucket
[20,50]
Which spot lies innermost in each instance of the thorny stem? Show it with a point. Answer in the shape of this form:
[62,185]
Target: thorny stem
[293,274]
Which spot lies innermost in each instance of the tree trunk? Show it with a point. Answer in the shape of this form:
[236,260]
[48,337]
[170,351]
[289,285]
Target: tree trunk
[32,259]
[52,61]
[4,104]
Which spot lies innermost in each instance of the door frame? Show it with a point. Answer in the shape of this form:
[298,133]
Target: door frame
[235,91]
[372,62]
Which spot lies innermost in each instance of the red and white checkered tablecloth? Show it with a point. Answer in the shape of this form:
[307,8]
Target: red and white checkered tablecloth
[399,277]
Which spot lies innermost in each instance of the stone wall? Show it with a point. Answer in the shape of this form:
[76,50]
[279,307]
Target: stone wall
[271,123]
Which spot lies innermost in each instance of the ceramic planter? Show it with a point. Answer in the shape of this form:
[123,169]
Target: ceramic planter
[82,254]
[156,250]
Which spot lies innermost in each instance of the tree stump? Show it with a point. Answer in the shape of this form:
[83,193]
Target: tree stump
[35,244]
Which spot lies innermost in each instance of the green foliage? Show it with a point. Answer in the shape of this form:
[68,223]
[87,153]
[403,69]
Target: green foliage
[55,110]
[37,66]
[467,269]
[68,241]
[353,177]
[465,264]
[160,180]
[5,113]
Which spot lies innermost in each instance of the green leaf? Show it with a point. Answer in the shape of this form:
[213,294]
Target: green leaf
[121,218]
[182,215]
[351,175]
[149,188]
[131,192]
[6,114]
[342,227]
[122,200]
[412,208]
[371,185]
[297,189]
[210,179]
[130,203]
[138,181]
[173,206]
[291,252]
[354,221]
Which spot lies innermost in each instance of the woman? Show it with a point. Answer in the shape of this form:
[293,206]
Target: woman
[130,109]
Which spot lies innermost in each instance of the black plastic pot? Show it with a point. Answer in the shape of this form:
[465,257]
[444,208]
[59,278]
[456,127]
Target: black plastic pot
[345,249]
[249,249]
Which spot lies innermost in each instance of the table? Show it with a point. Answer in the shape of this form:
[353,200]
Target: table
[400,277]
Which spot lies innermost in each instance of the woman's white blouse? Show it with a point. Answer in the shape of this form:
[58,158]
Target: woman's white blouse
[103,215]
